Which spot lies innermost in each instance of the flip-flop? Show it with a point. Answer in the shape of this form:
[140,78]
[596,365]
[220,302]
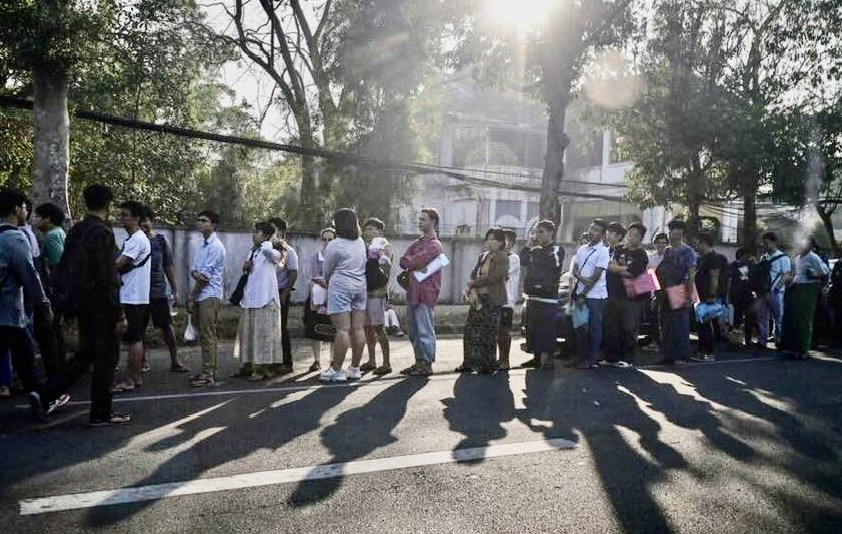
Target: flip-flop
[382,370]
[420,372]
[409,369]
[123,388]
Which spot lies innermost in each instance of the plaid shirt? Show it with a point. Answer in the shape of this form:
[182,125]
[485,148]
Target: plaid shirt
[421,252]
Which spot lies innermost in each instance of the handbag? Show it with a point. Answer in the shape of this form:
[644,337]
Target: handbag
[237,295]
[403,280]
[641,285]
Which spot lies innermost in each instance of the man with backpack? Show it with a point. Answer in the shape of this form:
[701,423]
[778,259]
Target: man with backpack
[86,286]
[768,279]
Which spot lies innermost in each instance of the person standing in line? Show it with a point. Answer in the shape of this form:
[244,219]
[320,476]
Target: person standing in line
[801,299]
[20,290]
[259,330]
[661,241]
[712,285]
[86,286]
[50,336]
[678,268]
[162,270]
[344,270]
[543,264]
[317,326]
[623,312]
[771,295]
[740,294]
[381,252]
[504,333]
[591,289]
[135,274]
[29,232]
[421,297]
[287,276]
[486,293]
[206,297]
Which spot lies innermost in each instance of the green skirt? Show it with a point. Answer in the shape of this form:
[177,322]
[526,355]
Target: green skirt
[799,309]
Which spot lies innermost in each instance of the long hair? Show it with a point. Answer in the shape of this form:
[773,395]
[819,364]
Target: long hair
[346,223]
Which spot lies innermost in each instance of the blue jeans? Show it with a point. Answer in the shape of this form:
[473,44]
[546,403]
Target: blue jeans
[772,304]
[422,332]
[596,314]
[676,325]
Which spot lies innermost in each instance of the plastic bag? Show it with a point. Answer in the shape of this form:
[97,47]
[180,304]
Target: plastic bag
[706,312]
[579,314]
[190,333]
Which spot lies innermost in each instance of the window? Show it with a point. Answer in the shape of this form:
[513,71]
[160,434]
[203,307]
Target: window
[507,207]
[532,210]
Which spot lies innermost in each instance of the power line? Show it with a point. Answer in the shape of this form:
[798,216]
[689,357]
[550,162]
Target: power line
[340,157]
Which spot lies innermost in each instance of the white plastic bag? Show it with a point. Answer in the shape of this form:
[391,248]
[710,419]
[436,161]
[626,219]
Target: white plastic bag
[190,333]
[392,319]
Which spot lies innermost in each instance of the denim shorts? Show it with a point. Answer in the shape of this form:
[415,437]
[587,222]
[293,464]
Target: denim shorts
[346,300]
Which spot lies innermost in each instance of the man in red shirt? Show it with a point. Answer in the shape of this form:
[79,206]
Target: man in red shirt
[421,297]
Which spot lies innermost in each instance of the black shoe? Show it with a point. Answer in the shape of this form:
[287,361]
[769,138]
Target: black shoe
[116,419]
[534,362]
[37,407]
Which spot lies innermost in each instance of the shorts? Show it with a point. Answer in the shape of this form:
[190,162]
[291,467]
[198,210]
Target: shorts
[137,317]
[375,312]
[506,319]
[346,300]
[159,309]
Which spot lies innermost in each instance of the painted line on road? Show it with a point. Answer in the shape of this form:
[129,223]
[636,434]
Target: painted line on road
[156,492]
[376,382]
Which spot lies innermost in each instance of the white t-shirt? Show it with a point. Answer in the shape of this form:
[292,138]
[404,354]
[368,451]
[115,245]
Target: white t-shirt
[136,283]
[513,283]
[589,258]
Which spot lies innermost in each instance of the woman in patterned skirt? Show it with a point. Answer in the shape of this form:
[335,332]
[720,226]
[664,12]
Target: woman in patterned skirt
[486,293]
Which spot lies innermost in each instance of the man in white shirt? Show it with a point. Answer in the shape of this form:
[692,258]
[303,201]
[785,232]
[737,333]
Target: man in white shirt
[591,289]
[135,277]
[504,332]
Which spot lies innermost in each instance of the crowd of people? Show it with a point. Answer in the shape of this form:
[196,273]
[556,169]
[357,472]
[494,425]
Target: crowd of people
[48,278]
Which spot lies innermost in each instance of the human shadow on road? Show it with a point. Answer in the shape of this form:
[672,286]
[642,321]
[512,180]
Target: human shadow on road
[479,407]
[247,425]
[580,406]
[355,434]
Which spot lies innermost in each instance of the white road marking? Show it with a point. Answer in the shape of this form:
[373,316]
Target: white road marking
[382,381]
[94,499]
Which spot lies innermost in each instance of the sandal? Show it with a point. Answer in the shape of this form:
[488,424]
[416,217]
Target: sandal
[178,368]
[463,369]
[315,367]
[409,369]
[122,387]
[202,381]
[421,370]
[367,366]
[382,370]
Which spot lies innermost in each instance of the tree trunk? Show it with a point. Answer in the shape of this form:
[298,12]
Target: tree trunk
[749,234]
[828,226]
[557,142]
[51,125]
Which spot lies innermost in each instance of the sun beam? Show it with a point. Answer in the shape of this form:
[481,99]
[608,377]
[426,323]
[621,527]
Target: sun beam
[523,14]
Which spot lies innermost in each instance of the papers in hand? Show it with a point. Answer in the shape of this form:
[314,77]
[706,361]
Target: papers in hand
[433,267]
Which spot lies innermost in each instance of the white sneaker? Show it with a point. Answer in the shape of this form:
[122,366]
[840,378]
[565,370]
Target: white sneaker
[331,375]
[353,373]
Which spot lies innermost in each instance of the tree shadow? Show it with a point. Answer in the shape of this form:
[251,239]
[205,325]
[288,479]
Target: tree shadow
[357,433]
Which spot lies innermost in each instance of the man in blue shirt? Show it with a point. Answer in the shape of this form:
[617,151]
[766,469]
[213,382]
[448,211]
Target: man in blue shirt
[206,297]
[678,268]
[20,292]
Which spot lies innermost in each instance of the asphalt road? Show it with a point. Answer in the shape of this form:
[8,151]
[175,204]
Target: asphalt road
[749,444]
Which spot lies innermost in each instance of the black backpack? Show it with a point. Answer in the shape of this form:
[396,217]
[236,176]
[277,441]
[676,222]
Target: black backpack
[376,276]
[759,273]
[70,278]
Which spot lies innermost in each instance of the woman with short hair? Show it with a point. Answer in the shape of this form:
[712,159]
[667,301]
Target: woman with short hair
[259,342]
[344,271]
[486,293]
